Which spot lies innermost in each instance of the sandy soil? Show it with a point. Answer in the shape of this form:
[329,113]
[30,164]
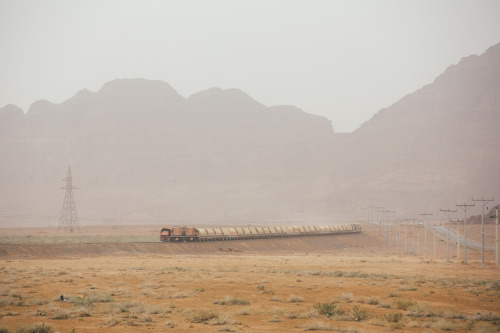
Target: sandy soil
[270,286]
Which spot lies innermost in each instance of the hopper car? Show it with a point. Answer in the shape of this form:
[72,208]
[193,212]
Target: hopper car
[186,234]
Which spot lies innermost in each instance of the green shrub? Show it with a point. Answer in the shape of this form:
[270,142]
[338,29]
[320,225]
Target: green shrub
[328,309]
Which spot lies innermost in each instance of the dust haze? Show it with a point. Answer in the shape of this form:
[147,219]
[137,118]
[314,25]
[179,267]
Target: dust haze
[142,153]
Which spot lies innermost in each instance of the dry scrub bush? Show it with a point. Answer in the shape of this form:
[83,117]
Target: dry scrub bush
[84,302]
[274,319]
[38,302]
[36,328]
[10,314]
[395,317]
[177,295]
[150,293]
[344,297]
[293,298]
[263,290]
[129,307]
[169,324]
[224,319]
[83,313]
[111,320]
[89,300]
[406,287]
[320,326]
[483,327]
[62,314]
[356,314]
[443,324]
[485,316]
[370,300]
[403,304]
[231,300]
[151,285]
[200,315]
[6,301]
[146,317]
[5,291]
[121,292]
[422,310]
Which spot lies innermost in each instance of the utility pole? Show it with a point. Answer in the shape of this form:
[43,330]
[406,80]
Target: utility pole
[413,234]
[434,238]
[367,215]
[458,236]
[406,237]
[496,237]
[370,215]
[425,231]
[396,235]
[378,219]
[464,207]
[448,211]
[387,226]
[483,203]
[69,218]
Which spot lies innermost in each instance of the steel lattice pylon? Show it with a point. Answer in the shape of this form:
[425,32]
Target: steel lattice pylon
[69,218]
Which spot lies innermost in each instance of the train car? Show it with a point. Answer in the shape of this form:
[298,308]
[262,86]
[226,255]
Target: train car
[240,233]
[203,234]
[280,231]
[293,231]
[255,232]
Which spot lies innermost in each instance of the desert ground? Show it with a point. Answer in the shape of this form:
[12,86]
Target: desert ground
[122,279]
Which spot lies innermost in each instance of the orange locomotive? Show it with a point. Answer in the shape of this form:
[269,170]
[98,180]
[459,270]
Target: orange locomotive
[179,234]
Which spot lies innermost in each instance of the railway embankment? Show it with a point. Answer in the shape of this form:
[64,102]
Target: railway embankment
[316,244]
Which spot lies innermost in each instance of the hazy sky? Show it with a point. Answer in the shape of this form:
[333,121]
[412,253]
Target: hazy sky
[341,59]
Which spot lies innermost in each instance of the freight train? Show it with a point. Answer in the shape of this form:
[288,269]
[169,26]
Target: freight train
[185,234]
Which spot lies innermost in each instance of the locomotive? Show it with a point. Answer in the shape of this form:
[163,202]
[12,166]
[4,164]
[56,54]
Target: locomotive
[186,234]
